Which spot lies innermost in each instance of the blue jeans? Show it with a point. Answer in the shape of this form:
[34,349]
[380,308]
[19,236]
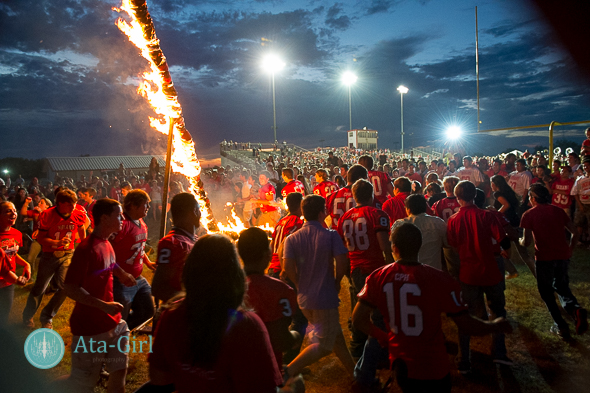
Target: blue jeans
[552,277]
[473,296]
[49,267]
[138,305]
[373,353]
[6,298]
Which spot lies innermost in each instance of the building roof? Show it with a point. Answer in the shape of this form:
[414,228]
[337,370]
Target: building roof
[101,162]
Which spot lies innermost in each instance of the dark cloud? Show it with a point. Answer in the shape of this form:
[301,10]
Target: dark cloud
[379,6]
[335,21]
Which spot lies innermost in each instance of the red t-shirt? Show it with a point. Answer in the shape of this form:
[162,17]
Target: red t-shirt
[129,246]
[34,215]
[548,225]
[358,228]
[284,228]
[446,207]
[271,300]
[92,269]
[472,232]
[414,177]
[395,207]
[89,212]
[10,242]
[172,252]
[58,227]
[325,188]
[379,180]
[339,203]
[293,186]
[560,200]
[245,363]
[490,173]
[116,194]
[411,299]
[265,191]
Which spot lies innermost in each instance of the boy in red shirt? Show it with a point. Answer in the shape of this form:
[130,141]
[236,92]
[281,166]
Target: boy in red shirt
[10,242]
[175,246]
[59,227]
[411,296]
[271,299]
[561,189]
[475,233]
[97,317]
[547,223]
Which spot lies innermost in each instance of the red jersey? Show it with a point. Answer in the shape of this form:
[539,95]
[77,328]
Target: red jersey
[411,299]
[89,212]
[271,300]
[263,193]
[6,266]
[284,228]
[325,188]
[395,207]
[245,362]
[10,242]
[490,172]
[379,180]
[548,224]
[414,177]
[129,245]
[446,207]
[58,226]
[472,232]
[358,228]
[339,203]
[172,252]
[560,200]
[34,215]
[92,269]
[116,194]
[293,186]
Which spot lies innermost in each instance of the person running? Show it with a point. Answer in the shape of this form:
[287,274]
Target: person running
[474,232]
[175,246]
[271,299]
[129,245]
[411,297]
[59,227]
[546,224]
[309,255]
[96,317]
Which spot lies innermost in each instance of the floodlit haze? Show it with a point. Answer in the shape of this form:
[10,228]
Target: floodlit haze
[68,75]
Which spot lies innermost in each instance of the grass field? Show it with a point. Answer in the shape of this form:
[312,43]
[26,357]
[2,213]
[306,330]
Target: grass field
[543,362]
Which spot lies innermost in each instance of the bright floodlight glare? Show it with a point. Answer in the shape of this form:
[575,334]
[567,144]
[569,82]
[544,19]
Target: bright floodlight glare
[5,171]
[403,89]
[273,64]
[453,132]
[348,78]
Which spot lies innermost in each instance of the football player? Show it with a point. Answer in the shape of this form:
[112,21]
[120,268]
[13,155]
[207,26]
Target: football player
[342,200]
[325,187]
[381,183]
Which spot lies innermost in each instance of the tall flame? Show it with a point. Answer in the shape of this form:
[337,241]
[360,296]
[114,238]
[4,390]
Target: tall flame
[157,87]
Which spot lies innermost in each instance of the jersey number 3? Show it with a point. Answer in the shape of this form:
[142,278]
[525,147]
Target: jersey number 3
[405,310]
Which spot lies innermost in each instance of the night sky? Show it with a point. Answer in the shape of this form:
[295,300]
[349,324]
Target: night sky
[68,75]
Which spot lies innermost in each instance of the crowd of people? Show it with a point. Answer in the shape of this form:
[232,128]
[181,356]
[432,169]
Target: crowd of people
[415,238]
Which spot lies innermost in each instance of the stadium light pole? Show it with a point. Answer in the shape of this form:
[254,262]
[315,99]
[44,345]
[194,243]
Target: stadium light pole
[273,64]
[402,90]
[348,78]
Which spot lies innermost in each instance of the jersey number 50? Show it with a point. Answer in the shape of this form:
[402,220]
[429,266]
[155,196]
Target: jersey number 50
[405,310]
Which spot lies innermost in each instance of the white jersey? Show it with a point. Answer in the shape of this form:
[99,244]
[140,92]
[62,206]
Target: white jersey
[520,182]
[582,188]
[472,174]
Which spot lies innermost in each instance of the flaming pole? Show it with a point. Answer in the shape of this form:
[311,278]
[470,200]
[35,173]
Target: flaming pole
[166,179]
[164,99]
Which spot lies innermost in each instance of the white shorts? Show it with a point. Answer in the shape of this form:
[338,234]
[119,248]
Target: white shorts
[86,365]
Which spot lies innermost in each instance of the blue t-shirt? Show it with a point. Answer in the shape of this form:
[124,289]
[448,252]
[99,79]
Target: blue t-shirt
[313,248]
